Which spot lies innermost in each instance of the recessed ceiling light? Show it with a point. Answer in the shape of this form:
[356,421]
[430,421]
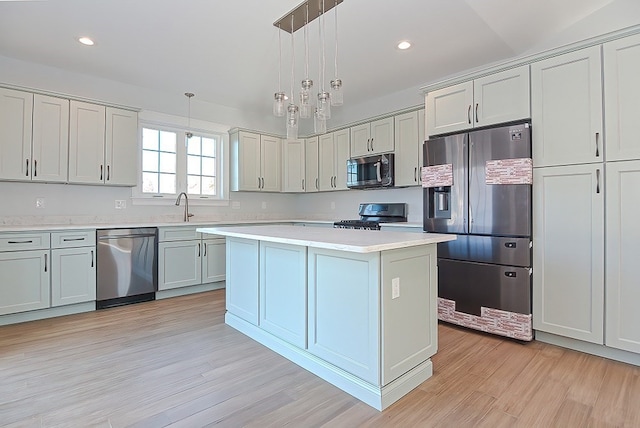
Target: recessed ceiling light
[405,44]
[86,41]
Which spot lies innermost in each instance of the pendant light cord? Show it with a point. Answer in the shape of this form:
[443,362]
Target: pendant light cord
[279,59]
[322,36]
[336,56]
[293,62]
[306,45]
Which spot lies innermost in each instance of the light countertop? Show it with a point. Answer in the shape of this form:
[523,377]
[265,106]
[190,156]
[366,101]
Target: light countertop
[351,240]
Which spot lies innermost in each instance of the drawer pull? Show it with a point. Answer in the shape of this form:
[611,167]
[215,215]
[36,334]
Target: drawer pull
[20,242]
[72,239]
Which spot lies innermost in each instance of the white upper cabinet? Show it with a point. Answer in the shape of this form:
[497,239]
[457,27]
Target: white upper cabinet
[50,148]
[372,138]
[333,153]
[311,165]
[499,97]
[622,98]
[566,109]
[86,143]
[103,145]
[16,111]
[255,162]
[121,149]
[293,166]
[408,147]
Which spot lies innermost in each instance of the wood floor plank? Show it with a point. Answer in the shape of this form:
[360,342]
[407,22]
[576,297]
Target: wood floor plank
[175,363]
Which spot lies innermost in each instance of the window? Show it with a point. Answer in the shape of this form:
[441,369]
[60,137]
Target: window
[173,161]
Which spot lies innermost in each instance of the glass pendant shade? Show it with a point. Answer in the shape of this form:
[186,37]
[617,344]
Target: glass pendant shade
[306,105]
[292,122]
[319,123]
[324,105]
[278,104]
[336,92]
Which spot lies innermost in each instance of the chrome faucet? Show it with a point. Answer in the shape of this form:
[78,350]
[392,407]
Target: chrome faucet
[187,214]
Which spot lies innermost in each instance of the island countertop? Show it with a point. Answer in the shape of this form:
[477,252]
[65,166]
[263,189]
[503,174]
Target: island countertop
[351,240]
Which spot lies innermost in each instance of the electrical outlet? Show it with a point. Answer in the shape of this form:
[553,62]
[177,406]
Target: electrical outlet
[121,204]
[264,205]
[395,288]
[39,202]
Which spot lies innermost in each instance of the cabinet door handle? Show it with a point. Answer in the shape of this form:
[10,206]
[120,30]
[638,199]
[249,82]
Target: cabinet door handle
[258,182]
[91,258]
[469,114]
[371,144]
[27,169]
[303,184]
[198,250]
[317,184]
[35,168]
[45,262]
[598,180]
[108,172]
[415,174]
[597,144]
[205,249]
[100,172]
[476,112]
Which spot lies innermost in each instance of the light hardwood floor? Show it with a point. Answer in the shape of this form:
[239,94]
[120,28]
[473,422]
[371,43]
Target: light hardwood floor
[175,363]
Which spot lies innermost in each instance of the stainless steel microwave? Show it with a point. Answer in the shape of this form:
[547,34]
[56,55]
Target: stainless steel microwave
[370,171]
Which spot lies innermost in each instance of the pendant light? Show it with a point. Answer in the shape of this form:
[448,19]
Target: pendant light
[292,109]
[336,83]
[189,95]
[306,105]
[324,105]
[279,97]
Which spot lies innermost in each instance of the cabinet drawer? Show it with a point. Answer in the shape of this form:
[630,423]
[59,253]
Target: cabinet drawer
[24,241]
[177,233]
[73,238]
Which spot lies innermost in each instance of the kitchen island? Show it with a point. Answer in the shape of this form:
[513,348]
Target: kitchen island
[358,308]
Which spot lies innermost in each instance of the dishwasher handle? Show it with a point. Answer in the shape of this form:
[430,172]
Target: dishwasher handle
[107,237]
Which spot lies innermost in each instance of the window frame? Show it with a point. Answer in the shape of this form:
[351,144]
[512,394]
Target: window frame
[163,122]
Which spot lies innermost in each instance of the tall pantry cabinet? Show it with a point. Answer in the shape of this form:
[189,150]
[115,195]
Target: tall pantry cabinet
[583,177]
[622,137]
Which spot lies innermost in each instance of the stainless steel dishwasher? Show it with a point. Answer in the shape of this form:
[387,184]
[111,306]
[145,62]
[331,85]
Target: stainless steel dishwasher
[126,266]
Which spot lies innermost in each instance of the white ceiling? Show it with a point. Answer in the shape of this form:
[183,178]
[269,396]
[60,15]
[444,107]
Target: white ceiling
[227,52]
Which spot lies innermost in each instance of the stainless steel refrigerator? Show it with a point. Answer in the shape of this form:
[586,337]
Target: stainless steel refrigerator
[484,277]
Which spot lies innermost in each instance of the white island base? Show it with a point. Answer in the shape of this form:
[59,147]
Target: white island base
[357,308]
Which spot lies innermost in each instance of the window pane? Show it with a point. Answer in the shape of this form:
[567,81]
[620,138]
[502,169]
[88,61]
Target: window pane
[208,185]
[193,165]
[208,147]
[149,160]
[149,139]
[167,162]
[149,182]
[167,183]
[208,166]
[193,145]
[168,141]
[193,184]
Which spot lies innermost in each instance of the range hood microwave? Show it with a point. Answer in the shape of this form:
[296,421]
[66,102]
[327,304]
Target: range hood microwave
[371,171]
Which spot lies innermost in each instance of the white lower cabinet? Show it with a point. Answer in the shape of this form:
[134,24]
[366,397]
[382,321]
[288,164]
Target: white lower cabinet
[179,264]
[185,259]
[73,267]
[568,251]
[623,256]
[213,259]
[25,281]
[283,291]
